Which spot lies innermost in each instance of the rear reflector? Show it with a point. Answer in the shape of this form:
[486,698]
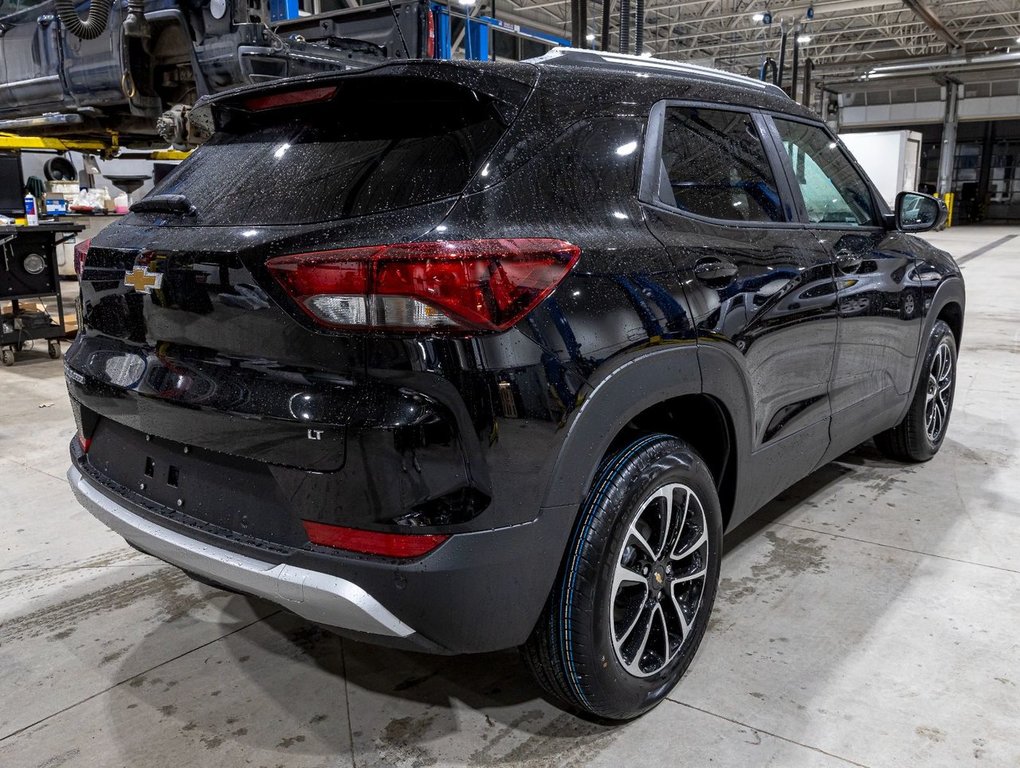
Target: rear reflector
[372,542]
[290,98]
[81,251]
[480,285]
[85,442]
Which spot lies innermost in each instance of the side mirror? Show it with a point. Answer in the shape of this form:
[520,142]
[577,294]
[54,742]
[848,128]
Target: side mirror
[917,212]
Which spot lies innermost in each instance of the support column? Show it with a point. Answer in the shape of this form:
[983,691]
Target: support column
[948,157]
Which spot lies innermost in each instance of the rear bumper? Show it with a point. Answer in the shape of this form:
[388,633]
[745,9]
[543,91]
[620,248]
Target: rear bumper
[313,595]
[480,591]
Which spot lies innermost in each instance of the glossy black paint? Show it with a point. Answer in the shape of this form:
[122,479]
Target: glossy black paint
[496,437]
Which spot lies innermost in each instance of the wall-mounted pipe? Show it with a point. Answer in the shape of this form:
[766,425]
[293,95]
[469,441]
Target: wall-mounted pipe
[782,54]
[582,32]
[639,27]
[607,9]
[793,69]
[805,98]
[624,26]
[768,68]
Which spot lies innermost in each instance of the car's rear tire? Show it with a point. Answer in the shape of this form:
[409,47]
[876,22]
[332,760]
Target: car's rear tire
[919,436]
[633,598]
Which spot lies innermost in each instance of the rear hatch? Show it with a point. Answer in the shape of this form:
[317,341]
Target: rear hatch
[179,312]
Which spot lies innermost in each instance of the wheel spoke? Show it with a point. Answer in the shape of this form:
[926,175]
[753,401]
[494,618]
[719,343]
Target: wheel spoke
[690,577]
[642,611]
[946,365]
[685,626]
[639,654]
[683,515]
[666,655]
[691,549]
[667,497]
[626,575]
[642,542]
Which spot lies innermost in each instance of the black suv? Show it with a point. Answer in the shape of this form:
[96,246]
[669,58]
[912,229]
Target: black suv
[459,356]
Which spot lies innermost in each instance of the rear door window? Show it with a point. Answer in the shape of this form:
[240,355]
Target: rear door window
[833,191]
[713,164]
[379,145]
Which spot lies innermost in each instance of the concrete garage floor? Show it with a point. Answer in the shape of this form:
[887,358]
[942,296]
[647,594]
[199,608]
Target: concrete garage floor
[868,617]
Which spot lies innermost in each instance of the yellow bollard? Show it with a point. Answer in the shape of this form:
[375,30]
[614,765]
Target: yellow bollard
[949,198]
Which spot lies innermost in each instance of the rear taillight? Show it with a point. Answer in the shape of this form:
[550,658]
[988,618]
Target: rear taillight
[81,251]
[290,98]
[453,286]
[372,542]
[84,442]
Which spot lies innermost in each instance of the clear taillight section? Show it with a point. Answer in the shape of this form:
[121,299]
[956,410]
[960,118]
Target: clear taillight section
[453,286]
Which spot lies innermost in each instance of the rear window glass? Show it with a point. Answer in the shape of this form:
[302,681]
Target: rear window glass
[377,146]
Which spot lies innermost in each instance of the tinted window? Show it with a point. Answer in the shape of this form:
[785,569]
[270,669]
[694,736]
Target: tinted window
[713,164]
[376,146]
[834,193]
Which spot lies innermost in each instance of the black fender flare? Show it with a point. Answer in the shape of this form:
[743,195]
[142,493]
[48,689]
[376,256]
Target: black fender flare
[724,378]
[635,383]
[951,290]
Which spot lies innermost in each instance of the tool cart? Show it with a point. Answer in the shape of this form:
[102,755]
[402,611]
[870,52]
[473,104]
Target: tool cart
[28,270]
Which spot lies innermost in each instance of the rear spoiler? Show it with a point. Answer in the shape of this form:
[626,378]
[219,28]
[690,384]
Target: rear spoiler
[482,76]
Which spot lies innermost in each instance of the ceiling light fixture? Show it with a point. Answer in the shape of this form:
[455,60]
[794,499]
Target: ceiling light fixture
[758,17]
[803,39]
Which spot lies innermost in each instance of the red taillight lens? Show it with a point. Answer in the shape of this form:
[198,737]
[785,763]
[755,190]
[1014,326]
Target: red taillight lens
[486,285]
[81,251]
[430,34]
[371,542]
[84,442]
[290,98]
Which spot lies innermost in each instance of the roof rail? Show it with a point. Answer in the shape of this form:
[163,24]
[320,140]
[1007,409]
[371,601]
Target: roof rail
[580,56]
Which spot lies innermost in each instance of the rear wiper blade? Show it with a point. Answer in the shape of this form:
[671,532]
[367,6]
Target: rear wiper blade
[178,204]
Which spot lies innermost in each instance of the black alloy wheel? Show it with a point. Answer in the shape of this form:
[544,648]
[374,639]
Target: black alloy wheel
[637,585]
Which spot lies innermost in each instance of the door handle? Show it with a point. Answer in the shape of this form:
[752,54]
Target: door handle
[848,261]
[715,271]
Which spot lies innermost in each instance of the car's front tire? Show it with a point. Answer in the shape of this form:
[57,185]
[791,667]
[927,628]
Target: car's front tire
[633,599]
[919,436]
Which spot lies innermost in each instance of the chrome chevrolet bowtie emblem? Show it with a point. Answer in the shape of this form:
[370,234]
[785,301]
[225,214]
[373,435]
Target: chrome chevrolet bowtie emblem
[142,280]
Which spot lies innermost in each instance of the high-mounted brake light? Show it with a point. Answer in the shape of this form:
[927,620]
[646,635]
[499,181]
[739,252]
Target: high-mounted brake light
[81,251]
[453,286]
[290,98]
[372,542]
